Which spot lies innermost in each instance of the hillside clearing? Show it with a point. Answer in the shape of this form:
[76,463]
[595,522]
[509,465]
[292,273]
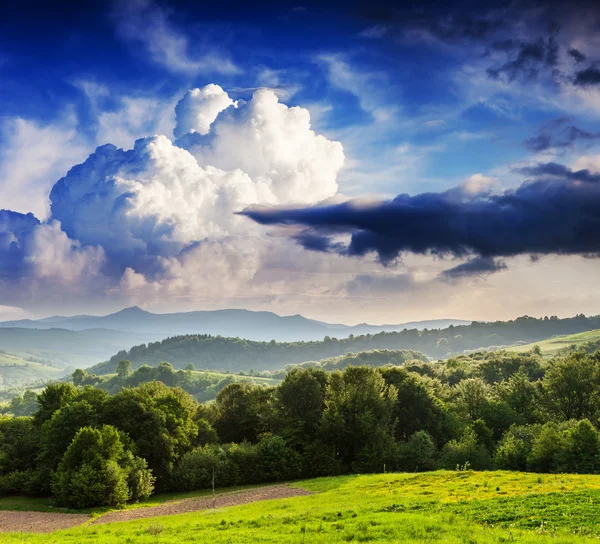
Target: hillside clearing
[552,346]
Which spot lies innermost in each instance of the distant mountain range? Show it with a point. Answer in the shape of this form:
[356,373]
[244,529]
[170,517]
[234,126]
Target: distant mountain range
[235,323]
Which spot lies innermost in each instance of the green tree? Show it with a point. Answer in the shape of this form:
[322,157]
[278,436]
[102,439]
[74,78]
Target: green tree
[358,411]
[418,453]
[52,398]
[124,370]
[243,411]
[572,387]
[91,472]
[161,422]
[79,375]
[416,407]
[300,401]
[472,395]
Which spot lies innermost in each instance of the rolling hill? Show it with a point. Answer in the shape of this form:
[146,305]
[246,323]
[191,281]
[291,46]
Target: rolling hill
[64,349]
[235,354]
[552,346]
[16,371]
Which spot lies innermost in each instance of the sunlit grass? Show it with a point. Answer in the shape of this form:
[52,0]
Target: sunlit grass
[448,507]
[552,346]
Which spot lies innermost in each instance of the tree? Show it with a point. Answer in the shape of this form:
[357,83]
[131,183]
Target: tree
[418,453]
[79,375]
[161,422]
[95,469]
[416,407]
[242,412]
[58,432]
[300,401]
[467,451]
[572,387]
[472,395]
[515,447]
[521,395]
[358,411]
[52,398]
[25,405]
[124,370]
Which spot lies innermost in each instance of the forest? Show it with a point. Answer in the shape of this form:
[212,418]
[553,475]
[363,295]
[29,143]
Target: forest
[235,354]
[505,410]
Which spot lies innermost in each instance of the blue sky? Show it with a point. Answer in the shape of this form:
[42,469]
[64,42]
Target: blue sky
[423,97]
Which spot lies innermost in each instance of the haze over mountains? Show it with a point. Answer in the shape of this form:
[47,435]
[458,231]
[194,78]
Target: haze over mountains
[236,323]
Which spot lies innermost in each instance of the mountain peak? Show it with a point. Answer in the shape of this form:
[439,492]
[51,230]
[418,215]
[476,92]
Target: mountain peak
[133,310]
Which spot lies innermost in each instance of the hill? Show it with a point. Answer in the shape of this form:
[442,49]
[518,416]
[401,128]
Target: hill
[243,323]
[65,349]
[235,354]
[556,344]
[232,354]
[16,371]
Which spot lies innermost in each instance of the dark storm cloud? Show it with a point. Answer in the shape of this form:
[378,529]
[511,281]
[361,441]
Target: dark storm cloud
[557,212]
[588,77]
[497,29]
[577,55]
[528,60]
[479,266]
[555,170]
[559,135]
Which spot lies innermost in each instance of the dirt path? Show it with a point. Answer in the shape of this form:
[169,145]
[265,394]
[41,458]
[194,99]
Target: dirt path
[223,500]
[38,522]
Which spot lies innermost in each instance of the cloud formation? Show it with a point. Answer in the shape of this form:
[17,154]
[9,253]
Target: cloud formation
[147,24]
[159,220]
[478,266]
[559,135]
[556,212]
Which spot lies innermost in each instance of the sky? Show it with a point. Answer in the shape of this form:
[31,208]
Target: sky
[349,161]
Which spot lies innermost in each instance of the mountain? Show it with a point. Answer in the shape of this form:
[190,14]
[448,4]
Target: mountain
[246,324]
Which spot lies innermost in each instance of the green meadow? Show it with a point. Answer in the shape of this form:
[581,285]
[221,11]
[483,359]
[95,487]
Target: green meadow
[552,346]
[445,506]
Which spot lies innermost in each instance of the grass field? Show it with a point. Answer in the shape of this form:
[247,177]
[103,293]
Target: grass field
[448,507]
[16,370]
[552,346]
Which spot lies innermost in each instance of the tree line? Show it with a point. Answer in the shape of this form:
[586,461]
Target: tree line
[485,410]
[235,354]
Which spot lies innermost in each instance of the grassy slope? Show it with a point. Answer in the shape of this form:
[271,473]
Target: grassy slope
[551,346]
[449,507]
[15,370]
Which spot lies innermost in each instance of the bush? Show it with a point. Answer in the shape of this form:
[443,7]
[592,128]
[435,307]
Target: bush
[195,470]
[275,461]
[468,449]
[515,447]
[140,479]
[418,453]
[95,471]
[320,460]
[547,449]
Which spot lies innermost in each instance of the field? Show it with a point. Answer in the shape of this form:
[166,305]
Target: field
[16,370]
[551,346]
[449,507]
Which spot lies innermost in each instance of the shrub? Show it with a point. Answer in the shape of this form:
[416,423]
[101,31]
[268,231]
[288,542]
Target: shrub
[466,450]
[195,470]
[275,461]
[515,447]
[418,453]
[95,471]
